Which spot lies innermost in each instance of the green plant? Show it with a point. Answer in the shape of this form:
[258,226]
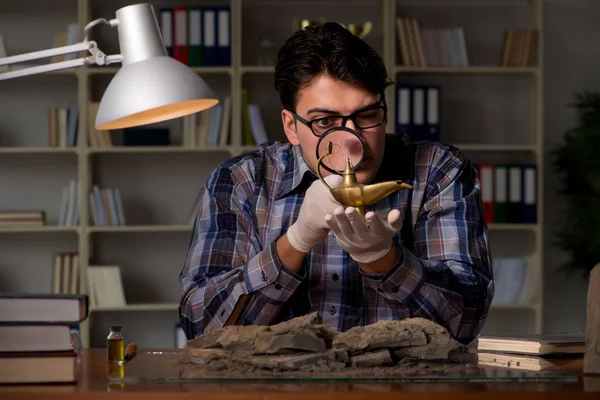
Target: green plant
[577,164]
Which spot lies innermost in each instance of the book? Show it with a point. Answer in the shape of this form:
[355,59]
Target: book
[540,345]
[43,308]
[514,361]
[32,367]
[34,337]
[105,286]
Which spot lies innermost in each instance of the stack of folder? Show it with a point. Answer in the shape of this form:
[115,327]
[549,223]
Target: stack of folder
[197,36]
[509,192]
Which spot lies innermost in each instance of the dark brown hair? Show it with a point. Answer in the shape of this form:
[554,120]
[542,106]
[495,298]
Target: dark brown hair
[327,49]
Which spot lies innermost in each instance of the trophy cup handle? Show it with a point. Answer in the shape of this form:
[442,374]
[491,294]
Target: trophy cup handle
[367,27]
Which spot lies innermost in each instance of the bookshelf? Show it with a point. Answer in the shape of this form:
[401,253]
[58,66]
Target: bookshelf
[158,184]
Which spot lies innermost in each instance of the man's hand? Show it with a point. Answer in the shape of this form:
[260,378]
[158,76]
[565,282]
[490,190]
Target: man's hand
[310,228]
[366,240]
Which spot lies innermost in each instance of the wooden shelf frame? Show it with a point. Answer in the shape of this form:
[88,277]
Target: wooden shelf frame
[87,233]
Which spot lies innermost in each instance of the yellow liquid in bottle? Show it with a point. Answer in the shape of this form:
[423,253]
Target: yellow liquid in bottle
[114,370]
[115,367]
[116,351]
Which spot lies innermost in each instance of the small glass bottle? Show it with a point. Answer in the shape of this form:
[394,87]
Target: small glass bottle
[115,346]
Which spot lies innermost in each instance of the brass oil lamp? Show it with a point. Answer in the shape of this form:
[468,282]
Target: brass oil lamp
[351,193]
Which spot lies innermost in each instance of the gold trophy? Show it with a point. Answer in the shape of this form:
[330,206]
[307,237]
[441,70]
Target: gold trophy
[302,24]
[352,193]
[360,30]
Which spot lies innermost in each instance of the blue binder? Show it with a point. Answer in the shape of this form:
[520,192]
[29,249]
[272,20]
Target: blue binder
[403,109]
[418,111]
[167,26]
[209,37]
[223,28]
[530,187]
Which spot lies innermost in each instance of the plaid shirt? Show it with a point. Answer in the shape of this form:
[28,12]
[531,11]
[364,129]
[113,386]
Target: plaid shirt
[443,273]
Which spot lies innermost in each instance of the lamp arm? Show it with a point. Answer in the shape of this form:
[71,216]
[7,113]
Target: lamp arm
[97,56]
[112,23]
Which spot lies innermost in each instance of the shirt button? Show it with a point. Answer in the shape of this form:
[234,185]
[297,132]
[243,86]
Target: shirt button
[264,276]
[222,313]
[335,277]
[332,310]
[278,287]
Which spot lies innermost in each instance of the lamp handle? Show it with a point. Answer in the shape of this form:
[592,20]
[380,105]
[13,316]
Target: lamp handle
[320,160]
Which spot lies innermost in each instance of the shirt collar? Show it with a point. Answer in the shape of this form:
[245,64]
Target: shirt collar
[295,169]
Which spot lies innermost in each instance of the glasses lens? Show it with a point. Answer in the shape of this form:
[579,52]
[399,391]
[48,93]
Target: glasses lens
[322,125]
[370,118]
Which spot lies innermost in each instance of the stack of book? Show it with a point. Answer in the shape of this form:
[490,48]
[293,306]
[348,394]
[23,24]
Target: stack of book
[208,128]
[62,125]
[22,219]
[69,206]
[572,343]
[96,138]
[35,337]
[430,47]
[106,206]
[65,273]
[519,48]
[105,286]
[529,351]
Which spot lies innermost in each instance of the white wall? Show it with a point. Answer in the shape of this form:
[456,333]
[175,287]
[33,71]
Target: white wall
[572,63]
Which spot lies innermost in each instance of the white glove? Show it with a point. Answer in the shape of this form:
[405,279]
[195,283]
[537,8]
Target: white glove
[310,227]
[368,239]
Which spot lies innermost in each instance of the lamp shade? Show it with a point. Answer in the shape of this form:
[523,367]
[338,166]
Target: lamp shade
[150,86]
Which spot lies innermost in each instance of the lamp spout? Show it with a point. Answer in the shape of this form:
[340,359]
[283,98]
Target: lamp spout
[371,194]
[352,193]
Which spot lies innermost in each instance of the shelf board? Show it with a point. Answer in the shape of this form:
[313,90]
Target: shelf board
[199,70]
[140,228]
[257,69]
[157,149]
[513,227]
[496,147]
[138,307]
[71,71]
[37,150]
[475,70]
[213,70]
[465,3]
[38,229]
[243,149]
[515,306]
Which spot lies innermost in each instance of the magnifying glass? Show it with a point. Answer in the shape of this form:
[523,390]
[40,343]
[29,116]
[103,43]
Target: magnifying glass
[343,145]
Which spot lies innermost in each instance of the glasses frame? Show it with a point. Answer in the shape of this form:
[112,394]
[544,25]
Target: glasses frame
[345,118]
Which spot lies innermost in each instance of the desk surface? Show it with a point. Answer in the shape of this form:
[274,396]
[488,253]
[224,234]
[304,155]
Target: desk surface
[93,382]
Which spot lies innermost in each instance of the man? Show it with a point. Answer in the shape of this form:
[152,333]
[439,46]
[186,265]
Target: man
[270,243]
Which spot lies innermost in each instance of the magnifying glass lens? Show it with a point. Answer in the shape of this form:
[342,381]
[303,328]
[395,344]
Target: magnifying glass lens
[345,145]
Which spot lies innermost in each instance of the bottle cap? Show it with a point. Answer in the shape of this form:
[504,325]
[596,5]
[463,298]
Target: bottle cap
[116,327]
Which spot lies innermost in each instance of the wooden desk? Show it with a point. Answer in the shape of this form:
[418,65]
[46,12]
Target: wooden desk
[93,384]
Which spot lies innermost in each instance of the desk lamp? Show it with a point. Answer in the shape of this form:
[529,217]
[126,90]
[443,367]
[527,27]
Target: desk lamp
[149,87]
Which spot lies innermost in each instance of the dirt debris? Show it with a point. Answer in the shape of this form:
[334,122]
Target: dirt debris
[303,347]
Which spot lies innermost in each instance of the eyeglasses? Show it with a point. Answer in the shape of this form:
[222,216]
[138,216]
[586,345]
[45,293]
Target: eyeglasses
[363,119]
